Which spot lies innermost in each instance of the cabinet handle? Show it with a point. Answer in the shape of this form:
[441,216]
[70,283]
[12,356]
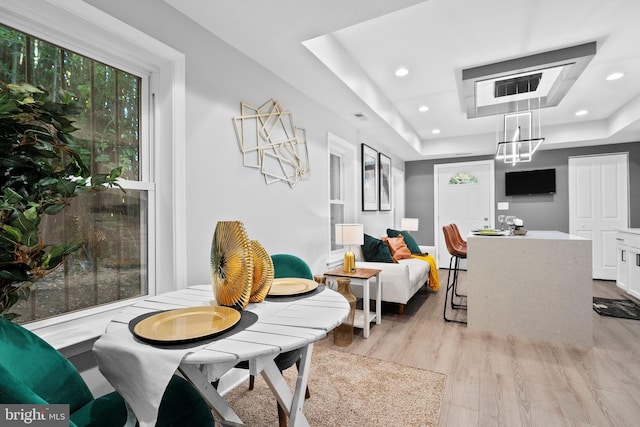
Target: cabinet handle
[638,260]
[623,258]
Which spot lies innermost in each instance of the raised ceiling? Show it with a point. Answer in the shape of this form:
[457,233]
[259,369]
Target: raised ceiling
[513,85]
[344,54]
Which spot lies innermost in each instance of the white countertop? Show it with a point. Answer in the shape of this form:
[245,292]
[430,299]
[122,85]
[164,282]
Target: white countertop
[630,230]
[537,234]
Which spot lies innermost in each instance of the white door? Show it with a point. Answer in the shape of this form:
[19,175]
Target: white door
[599,205]
[464,195]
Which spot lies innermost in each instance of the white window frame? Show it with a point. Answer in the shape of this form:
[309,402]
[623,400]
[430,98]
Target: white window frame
[348,187]
[78,26]
[340,200]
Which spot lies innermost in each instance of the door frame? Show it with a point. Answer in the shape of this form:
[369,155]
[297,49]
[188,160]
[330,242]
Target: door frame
[437,227]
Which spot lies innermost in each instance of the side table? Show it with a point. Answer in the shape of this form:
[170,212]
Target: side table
[361,277]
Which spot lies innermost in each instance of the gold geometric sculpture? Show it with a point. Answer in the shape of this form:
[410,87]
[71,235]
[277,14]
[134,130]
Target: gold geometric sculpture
[269,141]
[262,272]
[231,265]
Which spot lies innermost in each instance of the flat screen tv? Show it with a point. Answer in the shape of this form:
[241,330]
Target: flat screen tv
[538,181]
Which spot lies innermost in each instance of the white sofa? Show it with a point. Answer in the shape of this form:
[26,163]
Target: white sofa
[399,281]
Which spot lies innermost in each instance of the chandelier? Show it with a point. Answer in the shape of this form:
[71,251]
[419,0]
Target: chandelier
[521,130]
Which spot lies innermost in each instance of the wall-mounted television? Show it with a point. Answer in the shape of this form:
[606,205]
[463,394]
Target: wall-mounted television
[538,181]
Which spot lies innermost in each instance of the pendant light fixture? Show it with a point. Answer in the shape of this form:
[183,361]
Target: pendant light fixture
[521,132]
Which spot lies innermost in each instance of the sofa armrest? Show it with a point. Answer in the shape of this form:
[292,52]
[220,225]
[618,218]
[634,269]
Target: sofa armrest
[429,249]
[395,280]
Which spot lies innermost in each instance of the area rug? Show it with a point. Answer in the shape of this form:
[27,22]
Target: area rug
[624,308]
[350,390]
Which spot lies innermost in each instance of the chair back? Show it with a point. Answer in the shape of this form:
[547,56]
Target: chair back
[286,265]
[458,237]
[31,371]
[452,246]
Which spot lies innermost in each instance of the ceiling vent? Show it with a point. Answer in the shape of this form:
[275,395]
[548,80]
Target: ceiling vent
[517,85]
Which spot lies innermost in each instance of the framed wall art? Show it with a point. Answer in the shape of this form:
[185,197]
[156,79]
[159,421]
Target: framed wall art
[370,173]
[384,181]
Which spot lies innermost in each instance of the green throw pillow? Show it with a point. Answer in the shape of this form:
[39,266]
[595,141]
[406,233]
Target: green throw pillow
[408,240]
[375,250]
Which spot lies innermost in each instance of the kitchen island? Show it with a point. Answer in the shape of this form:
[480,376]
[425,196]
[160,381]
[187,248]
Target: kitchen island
[537,286]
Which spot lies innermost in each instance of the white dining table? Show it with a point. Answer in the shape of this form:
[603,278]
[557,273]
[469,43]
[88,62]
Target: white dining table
[141,371]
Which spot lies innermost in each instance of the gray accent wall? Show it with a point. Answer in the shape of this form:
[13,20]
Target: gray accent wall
[540,212]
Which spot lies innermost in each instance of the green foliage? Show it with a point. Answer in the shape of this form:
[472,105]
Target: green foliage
[109,98]
[39,174]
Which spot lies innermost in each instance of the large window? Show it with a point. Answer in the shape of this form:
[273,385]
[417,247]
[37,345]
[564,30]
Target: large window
[112,265]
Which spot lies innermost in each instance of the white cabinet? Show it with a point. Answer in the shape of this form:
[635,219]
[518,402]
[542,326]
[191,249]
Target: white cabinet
[628,248]
[622,277]
[634,272]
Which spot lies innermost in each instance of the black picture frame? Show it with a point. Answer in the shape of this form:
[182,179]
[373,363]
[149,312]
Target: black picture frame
[370,173]
[384,182]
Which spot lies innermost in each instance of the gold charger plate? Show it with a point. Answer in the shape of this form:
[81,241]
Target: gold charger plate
[186,324]
[287,286]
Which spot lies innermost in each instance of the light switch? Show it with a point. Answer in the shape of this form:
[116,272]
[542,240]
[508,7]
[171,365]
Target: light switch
[503,206]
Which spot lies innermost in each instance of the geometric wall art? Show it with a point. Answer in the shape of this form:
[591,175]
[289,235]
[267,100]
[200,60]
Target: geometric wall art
[270,142]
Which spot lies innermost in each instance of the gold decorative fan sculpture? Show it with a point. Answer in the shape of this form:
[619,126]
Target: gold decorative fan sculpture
[262,273]
[231,265]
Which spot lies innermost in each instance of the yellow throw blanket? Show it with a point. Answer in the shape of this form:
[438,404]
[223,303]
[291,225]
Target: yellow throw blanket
[434,280]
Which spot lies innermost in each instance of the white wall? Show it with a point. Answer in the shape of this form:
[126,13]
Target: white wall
[218,78]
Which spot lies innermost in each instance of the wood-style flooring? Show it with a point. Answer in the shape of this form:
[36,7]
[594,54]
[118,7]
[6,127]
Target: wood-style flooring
[506,381]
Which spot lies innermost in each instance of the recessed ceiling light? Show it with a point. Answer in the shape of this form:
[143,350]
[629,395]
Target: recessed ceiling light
[435,131]
[423,108]
[401,72]
[582,112]
[615,76]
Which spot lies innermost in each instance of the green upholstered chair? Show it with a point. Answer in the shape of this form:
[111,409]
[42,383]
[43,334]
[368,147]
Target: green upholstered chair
[33,372]
[286,265]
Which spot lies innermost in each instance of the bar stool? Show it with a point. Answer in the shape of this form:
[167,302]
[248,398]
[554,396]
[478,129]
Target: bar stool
[456,233]
[462,245]
[457,252]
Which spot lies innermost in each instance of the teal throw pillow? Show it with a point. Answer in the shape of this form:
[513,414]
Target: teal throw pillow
[375,250]
[408,240]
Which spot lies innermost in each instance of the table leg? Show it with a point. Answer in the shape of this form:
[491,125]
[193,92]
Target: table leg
[301,387]
[365,308]
[208,392]
[378,299]
[291,403]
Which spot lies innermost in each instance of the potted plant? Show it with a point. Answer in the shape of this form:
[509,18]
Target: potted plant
[39,174]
